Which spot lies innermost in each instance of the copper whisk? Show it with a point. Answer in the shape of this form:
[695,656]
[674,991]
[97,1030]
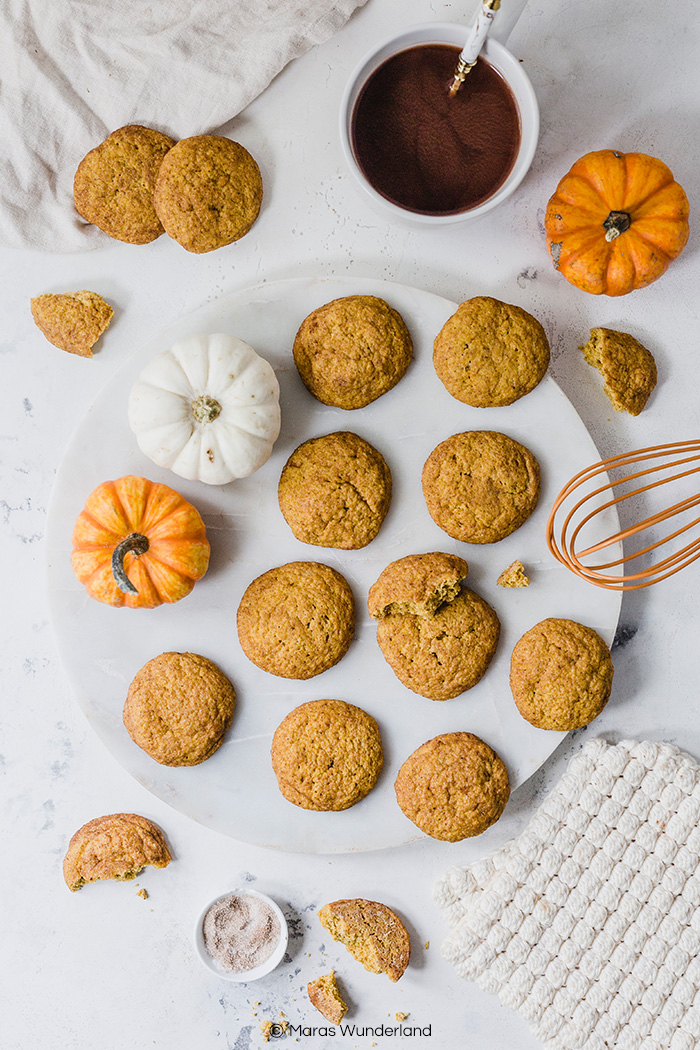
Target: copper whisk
[583,499]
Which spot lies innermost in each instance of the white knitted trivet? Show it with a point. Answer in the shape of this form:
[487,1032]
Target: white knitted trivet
[588,923]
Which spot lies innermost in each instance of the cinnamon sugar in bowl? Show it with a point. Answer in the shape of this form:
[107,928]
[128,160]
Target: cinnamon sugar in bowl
[241,935]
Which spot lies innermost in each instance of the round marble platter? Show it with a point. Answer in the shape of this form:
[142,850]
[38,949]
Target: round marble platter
[235,791]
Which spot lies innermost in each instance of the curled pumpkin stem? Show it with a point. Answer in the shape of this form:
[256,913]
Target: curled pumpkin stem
[134,543]
[616,223]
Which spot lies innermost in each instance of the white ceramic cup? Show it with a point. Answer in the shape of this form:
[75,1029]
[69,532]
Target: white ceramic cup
[494,53]
[242,976]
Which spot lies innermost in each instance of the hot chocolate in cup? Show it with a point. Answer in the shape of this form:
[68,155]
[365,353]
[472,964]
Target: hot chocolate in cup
[423,158]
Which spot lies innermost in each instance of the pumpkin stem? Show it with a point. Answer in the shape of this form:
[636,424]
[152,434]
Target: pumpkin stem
[134,543]
[205,409]
[616,223]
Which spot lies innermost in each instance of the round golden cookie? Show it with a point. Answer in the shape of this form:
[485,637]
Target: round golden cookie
[453,786]
[208,192]
[490,353]
[178,707]
[352,350]
[116,846]
[418,583]
[560,675]
[113,186]
[297,620]
[335,491]
[326,755]
[480,486]
[442,655]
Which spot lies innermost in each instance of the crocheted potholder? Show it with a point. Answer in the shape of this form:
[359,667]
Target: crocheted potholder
[588,923]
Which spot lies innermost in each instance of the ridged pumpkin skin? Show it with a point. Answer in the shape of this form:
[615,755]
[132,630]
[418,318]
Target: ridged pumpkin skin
[178,549]
[616,221]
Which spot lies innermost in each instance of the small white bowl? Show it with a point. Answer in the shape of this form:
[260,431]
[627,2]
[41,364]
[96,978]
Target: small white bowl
[511,71]
[242,976]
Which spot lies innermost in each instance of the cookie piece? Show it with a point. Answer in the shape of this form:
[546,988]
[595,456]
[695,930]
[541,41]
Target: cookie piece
[335,491]
[480,486]
[490,353]
[208,192]
[113,186]
[514,576]
[453,786]
[442,655]
[327,755]
[117,846]
[417,584]
[560,675]
[325,996]
[178,707]
[628,368]
[297,620]
[371,932]
[72,321]
[352,350]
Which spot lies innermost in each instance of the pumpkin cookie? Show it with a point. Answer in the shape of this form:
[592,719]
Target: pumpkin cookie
[453,786]
[352,350]
[117,846]
[560,675]
[418,583]
[326,755]
[480,486]
[72,321]
[371,932]
[297,620]
[514,576]
[335,491]
[325,996]
[208,192]
[628,368]
[178,708]
[113,186]
[442,655]
[490,353]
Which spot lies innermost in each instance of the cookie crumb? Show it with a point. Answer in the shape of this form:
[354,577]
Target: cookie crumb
[143,894]
[514,576]
[72,321]
[426,945]
[401,1017]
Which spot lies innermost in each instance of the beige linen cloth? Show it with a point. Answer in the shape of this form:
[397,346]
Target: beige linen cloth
[588,923]
[72,71]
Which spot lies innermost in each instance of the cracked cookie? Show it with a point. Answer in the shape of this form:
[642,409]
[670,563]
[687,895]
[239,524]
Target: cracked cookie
[437,637]
[352,350]
[453,786]
[480,486]
[490,353]
[208,192]
[116,846]
[296,620]
[335,491]
[628,368]
[178,707]
[72,321]
[327,755]
[371,932]
[113,186]
[560,675]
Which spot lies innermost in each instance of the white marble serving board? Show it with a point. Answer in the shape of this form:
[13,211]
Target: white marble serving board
[102,648]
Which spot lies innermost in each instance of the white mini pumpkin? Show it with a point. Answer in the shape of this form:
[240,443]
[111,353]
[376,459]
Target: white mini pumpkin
[207,408]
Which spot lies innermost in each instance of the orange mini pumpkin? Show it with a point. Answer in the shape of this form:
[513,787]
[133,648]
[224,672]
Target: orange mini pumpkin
[616,221]
[139,544]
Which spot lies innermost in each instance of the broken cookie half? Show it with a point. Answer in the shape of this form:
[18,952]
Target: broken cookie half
[116,846]
[628,368]
[72,321]
[417,584]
